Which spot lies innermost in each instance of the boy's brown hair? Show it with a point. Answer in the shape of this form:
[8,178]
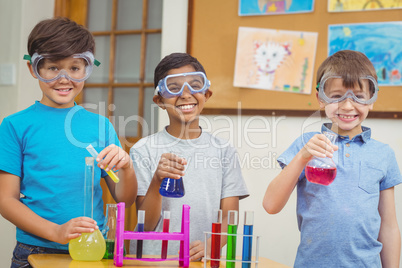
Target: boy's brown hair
[348,64]
[60,38]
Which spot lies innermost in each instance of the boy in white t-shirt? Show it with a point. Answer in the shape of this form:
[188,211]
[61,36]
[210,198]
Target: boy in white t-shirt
[212,177]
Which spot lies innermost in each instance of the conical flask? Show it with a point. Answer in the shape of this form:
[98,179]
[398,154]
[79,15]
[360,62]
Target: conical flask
[322,170]
[88,246]
[172,187]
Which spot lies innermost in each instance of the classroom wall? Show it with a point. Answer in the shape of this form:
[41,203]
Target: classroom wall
[259,139]
[16,21]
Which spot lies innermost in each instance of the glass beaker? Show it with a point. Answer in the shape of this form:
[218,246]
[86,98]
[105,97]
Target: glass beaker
[109,231]
[88,246]
[172,187]
[322,170]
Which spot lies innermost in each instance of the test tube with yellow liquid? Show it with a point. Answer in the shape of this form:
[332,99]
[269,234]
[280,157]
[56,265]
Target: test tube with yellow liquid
[94,154]
[88,246]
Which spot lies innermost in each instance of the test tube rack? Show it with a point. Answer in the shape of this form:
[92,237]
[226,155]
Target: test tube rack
[256,242]
[183,237]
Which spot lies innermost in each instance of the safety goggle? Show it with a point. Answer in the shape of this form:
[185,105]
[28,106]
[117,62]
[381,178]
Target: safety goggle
[173,85]
[364,92]
[77,69]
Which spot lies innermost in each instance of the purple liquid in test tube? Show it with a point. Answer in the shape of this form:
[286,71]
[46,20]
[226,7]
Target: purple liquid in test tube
[140,228]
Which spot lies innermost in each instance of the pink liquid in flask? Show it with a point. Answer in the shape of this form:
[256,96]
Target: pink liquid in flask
[324,176]
[322,170]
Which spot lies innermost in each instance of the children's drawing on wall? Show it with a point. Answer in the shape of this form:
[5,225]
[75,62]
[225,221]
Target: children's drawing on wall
[274,7]
[362,5]
[381,42]
[275,59]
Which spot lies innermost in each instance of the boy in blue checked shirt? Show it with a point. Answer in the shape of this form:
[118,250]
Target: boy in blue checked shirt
[352,222]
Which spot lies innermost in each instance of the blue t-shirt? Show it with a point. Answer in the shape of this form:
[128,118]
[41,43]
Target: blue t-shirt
[46,148]
[340,223]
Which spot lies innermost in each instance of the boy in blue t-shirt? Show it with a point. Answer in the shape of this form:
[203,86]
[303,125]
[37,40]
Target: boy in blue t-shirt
[42,160]
[351,222]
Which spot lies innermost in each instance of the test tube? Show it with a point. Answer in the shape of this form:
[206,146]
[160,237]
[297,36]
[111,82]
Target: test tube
[140,228]
[165,229]
[231,239]
[109,231]
[89,187]
[216,239]
[94,154]
[247,238]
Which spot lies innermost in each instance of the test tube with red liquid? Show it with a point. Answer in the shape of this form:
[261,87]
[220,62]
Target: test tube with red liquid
[216,239]
[322,170]
[165,229]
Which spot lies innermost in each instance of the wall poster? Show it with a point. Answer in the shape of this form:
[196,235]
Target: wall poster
[380,42]
[275,59]
[274,7]
[362,5]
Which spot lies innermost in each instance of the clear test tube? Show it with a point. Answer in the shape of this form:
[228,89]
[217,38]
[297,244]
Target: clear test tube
[165,229]
[231,238]
[140,228]
[216,239]
[247,238]
[89,187]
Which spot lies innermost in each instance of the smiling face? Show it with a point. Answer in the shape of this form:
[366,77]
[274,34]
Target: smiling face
[184,109]
[347,115]
[61,92]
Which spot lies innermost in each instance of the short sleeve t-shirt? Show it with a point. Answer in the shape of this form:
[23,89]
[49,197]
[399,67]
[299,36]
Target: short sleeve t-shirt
[213,173]
[45,147]
[340,223]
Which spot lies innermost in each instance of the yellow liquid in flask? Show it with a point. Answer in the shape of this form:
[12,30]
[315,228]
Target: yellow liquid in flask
[88,247]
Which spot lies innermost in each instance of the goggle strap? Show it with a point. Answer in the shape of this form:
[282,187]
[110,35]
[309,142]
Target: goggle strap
[318,86]
[27,57]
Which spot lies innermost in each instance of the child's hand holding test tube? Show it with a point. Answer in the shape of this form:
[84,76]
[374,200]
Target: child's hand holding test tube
[100,159]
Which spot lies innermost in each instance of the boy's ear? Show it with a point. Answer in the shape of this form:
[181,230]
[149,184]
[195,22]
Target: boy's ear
[158,101]
[31,69]
[208,94]
[320,102]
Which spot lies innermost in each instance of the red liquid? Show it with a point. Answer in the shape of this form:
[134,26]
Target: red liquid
[215,244]
[324,176]
[165,229]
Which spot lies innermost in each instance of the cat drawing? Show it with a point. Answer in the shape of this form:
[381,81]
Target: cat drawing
[268,56]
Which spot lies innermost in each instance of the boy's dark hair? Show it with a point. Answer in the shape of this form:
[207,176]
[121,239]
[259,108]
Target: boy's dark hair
[174,61]
[348,64]
[60,37]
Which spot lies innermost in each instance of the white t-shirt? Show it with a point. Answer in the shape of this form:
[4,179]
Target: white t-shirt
[213,172]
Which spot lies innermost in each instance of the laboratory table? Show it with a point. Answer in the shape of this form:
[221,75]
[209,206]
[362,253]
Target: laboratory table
[65,261]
